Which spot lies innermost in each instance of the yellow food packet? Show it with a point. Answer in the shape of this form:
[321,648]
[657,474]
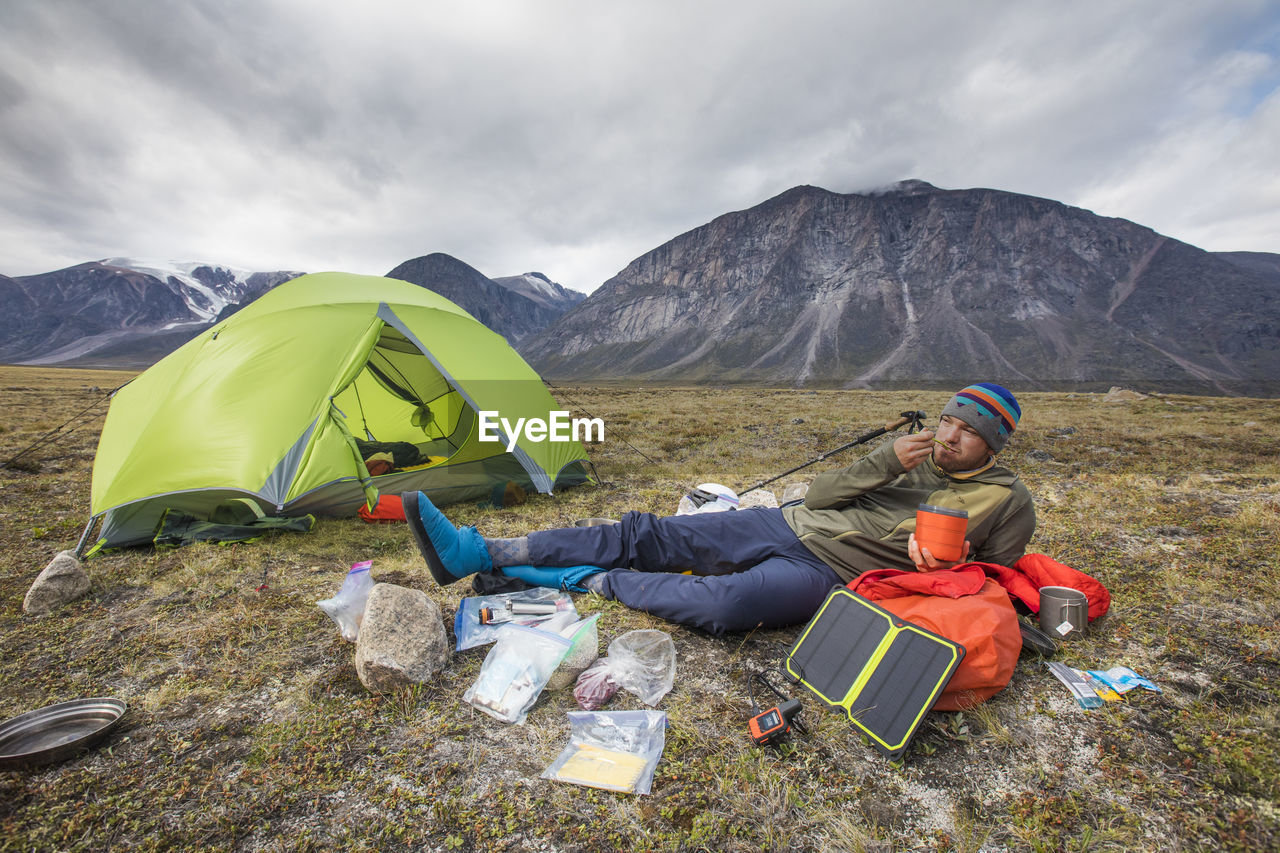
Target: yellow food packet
[597,767]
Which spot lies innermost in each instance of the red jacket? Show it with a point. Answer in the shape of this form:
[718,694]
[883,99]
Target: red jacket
[1022,582]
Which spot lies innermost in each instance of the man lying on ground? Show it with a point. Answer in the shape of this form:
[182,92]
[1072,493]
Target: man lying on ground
[772,567]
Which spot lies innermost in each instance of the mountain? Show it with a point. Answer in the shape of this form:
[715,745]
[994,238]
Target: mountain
[909,285]
[118,312]
[1263,262]
[914,285]
[513,306]
[122,312]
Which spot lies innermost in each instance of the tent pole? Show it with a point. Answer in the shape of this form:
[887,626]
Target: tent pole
[84,537]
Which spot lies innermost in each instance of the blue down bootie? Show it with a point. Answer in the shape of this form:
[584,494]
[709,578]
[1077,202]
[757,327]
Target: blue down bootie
[573,578]
[451,553]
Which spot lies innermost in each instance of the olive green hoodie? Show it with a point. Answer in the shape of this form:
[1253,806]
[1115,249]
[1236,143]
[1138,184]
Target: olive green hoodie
[859,518]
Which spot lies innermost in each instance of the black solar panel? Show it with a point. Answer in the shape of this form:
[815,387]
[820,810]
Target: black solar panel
[883,671]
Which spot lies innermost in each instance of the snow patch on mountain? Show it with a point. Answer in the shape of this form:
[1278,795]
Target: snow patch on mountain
[204,299]
[542,290]
[538,282]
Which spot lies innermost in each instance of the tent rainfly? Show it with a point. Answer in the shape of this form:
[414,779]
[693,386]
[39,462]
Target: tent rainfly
[283,402]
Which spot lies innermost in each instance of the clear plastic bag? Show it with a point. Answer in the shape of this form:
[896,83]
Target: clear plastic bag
[594,687]
[347,607]
[641,662]
[470,632]
[583,652]
[644,663]
[613,750]
[515,671]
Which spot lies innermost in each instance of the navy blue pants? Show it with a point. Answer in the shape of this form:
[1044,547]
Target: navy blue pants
[751,568]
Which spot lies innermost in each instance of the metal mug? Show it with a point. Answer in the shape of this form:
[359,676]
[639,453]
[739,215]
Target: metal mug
[1064,612]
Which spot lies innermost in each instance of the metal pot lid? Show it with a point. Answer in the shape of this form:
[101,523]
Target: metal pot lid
[57,732]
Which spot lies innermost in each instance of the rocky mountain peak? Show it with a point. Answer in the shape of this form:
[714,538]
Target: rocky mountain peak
[917,285]
[514,306]
[120,311]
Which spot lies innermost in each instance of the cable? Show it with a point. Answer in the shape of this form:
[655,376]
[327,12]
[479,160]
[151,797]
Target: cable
[355,386]
[755,707]
[583,408]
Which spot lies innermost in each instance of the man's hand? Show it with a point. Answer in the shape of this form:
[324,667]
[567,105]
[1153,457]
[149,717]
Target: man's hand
[914,448]
[925,561]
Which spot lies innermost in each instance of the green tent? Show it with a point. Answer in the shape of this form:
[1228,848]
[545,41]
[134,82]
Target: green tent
[282,402]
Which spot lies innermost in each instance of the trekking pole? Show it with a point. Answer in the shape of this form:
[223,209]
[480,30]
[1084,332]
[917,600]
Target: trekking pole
[915,419]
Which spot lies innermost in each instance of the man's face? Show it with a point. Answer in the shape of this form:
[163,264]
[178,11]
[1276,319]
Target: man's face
[965,449]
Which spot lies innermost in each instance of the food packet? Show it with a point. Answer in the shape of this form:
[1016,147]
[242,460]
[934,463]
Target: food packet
[470,632]
[641,662]
[613,750]
[584,651]
[1122,679]
[515,671]
[594,687]
[347,607]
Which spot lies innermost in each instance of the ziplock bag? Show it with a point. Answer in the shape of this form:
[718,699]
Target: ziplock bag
[644,663]
[613,750]
[515,671]
[641,662]
[469,631]
[347,607]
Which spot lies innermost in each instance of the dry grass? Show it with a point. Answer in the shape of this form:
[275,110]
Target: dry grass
[249,730]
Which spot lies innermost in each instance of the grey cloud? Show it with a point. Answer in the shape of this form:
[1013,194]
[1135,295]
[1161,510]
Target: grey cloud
[329,136]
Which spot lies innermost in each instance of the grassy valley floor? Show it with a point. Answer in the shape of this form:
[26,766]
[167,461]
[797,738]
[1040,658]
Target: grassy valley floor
[248,729]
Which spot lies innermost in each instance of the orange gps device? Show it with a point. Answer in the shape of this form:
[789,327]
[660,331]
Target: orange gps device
[771,725]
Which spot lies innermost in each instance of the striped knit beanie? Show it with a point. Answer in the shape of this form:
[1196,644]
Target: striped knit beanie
[991,410]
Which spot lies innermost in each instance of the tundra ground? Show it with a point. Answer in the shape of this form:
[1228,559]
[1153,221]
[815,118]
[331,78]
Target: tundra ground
[248,729]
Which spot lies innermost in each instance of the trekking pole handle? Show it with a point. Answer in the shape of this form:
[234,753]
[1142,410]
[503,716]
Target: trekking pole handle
[916,419]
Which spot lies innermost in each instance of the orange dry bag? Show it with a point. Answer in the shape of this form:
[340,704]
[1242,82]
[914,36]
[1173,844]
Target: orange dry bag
[964,606]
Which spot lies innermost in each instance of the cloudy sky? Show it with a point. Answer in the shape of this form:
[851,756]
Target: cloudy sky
[571,136]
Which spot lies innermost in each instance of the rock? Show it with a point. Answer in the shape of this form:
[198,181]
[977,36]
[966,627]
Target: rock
[797,420]
[62,581]
[758,497]
[1121,395]
[1039,456]
[1062,431]
[794,492]
[402,639]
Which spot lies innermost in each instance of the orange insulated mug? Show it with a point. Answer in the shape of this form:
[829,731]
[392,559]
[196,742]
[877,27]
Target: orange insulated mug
[941,530]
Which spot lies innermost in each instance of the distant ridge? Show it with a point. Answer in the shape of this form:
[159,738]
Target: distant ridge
[118,312]
[130,313]
[513,306]
[906,285]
